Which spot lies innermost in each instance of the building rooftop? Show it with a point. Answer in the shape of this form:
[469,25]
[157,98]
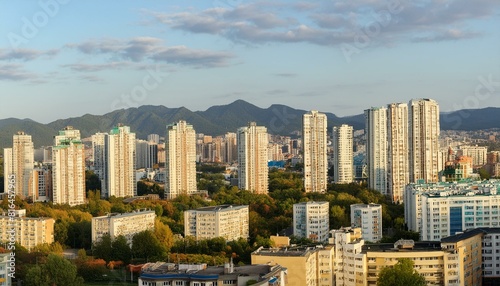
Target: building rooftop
[403,247]
[221,208]
[163,270]
[119,215]
[287,251]
[311,203]
[469,233]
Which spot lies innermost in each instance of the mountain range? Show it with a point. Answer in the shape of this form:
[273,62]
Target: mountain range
[217,120]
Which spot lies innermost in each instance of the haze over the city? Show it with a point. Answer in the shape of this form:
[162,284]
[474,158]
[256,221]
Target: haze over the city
[62,59]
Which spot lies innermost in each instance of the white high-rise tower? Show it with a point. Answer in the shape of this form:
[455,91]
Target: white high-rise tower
[180,164]
[424,140]
[376,148]
[397,138]
[68,168]
[252,158]
[19,162]
[343,154]
[314,140]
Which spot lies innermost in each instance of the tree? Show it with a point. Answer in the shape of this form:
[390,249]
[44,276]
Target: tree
[145,245]
[402,274]
[58,271]
[121,249]
[103,248]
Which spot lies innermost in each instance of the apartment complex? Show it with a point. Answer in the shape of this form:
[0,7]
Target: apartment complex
[227,221]
[376,148]
[252,158]
[307,266]
[19,161]
[477,153]
[368,217]
[453,261]
[180,162]
[314,139]
[146,154]
[443,209]
[68,168]
[311,220]
[423,140]
[162,273]
[29,231]
[114,162]
[126,224]
[343,154]
[397,160]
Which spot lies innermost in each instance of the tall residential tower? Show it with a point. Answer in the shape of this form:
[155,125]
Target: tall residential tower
[180,163]
[397,138]
[424,140]
[314,140]
[343,154]
[376,148]
[252,158]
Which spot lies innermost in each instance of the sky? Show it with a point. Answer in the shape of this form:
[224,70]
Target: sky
[67,58]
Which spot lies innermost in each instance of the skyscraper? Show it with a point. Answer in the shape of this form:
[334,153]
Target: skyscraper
[376,148]
[314,140]
[68,168]
[252,158]
[424,140]
[114,162]
[180,163]
[19,162]
[342,154]
[397,138]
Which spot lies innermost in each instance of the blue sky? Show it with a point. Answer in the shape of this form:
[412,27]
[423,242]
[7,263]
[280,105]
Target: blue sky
[66,58]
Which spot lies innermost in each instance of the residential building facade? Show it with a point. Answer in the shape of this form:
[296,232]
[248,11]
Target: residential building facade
[68,168]
[30,231]
[376,148]
[424,140]
[227,221]
[343,154]
[19,161]
[311,220]
[126,224]
[252,158]
[314,139]
[397,160]
[368,217]
[180,162]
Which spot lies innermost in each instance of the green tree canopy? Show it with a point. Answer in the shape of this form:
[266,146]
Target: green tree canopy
[58,271]
[402,274]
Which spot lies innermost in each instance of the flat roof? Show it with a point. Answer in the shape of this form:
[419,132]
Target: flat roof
[220,208]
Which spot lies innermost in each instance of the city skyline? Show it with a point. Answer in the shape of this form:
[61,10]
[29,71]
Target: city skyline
[342,57]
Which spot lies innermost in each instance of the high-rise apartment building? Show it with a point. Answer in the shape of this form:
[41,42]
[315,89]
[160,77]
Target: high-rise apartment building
[146,155]
[126,224]
[368,217]
[227,221]
[477,153]
[252,158]
[180,164]
[19,162]
[68,168]
[397,160]
[343,154]
[29,231]
[311,220]
[114,162]
[231,149]
[443,209]
[424,140]
[376,148]
[314,139]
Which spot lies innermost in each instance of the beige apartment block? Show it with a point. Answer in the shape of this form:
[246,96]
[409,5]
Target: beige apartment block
[29,231]
[227,221]
[126,224]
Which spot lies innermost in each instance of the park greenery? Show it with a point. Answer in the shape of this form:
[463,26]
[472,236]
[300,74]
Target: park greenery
[268,215]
